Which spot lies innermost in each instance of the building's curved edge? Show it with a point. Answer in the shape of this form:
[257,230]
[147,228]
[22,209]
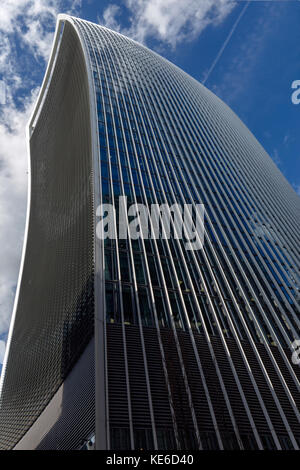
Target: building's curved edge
[12,321]
[101,418]
[99,306]
[50,66]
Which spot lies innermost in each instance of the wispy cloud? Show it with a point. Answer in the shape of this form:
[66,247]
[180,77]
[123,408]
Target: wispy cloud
[239,74]
[289,138]
[224,45]
[32,21]
[297,188]
[170,21]
[276,157]
[26,34]
[111,17]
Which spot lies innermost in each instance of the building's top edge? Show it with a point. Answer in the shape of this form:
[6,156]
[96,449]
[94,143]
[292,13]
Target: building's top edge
[66,17]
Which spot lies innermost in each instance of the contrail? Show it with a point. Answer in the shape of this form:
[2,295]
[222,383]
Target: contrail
[226,42]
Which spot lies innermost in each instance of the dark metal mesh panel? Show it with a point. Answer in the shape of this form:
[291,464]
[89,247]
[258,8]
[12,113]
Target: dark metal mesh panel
[54,319]
[116,368]
[76,422]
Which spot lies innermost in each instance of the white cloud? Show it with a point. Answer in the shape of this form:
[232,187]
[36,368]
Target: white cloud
[38,40]
[29,25]
[110,17]
[13,189]
[171,21]
[2,351]
[33,21]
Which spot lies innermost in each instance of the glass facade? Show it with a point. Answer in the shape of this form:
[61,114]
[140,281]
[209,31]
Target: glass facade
[196,350]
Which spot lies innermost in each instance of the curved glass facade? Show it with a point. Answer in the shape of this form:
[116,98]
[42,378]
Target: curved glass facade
[194,349]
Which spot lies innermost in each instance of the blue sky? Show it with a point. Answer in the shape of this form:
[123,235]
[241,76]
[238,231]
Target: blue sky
[255,47]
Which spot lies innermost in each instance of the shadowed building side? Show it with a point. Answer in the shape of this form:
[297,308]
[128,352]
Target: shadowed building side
[55,308]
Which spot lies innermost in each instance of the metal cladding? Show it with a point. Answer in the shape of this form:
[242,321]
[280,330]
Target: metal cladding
[192,348]
[55,312]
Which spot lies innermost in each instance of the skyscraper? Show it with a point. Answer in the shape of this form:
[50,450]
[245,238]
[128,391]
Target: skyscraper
[141,343]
